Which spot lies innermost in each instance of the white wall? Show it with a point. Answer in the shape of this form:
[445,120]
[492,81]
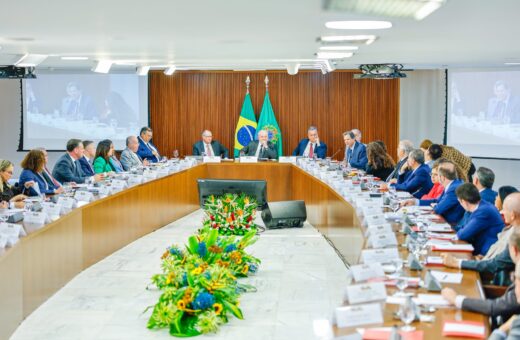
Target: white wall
[422,111]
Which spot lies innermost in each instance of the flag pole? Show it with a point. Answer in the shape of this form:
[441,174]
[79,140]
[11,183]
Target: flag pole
[266,81]
[248,81]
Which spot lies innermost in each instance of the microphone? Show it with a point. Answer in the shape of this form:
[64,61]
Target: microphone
[335,153]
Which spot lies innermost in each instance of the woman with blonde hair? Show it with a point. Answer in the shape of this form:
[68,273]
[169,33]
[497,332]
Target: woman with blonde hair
[13,195]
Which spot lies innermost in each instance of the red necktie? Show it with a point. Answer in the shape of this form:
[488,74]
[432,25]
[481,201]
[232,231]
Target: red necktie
[311,152]
[56,183]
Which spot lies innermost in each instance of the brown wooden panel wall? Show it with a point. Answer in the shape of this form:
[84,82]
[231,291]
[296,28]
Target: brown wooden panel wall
[183,105]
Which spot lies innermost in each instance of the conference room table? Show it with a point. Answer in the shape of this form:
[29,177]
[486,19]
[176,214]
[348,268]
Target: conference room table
[42,262]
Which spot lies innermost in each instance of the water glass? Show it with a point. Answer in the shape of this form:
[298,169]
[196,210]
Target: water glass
[407,314]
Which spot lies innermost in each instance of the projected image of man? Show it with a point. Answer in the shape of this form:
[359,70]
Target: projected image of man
[503,108]
[77,105]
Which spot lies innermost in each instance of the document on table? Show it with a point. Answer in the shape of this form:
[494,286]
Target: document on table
[351,316]
[431,300]
[367,292]
[453,247]
[445,277]
[464,329]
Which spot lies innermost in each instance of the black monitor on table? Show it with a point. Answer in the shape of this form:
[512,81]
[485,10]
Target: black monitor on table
[256,189]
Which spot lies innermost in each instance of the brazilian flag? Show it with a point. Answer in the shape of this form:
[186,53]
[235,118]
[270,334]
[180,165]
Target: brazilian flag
[246,126]
[267,121]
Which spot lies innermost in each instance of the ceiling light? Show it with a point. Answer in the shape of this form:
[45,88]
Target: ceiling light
[103,66]
[74,58]
[368,39]
[330,67]
[427,9]
[358,25]
[292,69]
[170,70]
[512,63]
[30,60]
[339,48]
[143,70]
[334,55]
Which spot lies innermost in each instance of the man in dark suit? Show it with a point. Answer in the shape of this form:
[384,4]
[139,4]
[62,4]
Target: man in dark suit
[510,330]
[261,148]
[146,149]
[417,181]
[355,152]
[85,161]
[67,169]
[403,149]
[209,147]
[311,146]
[78,105]
[504,108]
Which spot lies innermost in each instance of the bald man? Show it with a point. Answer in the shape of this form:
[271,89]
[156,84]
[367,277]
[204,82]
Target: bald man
[209,147]
[261,148]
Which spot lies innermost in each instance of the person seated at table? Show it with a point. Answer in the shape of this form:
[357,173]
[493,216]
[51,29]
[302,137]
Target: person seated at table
[504,306]
[116,164]
[209,147]
[261,148]
[484,222]
[510,330]
[102,163]
[417,181]
[146,149]
[13,195]
[88,157]
[432,154]
[355,152]
[129,157]
[380,164]
[382,145]
[484,179]
[403,149]
[311,146]
[32,165]
[437,188]
[46,173]
[501,262]
[425,144]
[67,169]
[359,136]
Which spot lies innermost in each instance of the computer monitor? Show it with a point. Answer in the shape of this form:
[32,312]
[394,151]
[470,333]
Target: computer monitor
[256,189]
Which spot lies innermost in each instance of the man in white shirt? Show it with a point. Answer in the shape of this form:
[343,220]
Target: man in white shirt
[209,147]
[261,148]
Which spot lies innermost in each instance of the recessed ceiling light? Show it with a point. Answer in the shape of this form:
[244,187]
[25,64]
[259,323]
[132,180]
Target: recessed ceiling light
[103,66]
[170,70]
[334,55]
[427,9]
[353,38]
[74,58]
[358,25]
[339,48]
[30,60]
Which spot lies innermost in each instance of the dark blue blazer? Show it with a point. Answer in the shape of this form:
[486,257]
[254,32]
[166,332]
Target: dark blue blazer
[218,149]
[448,205]
[417,183]
[482,227]
[145,153]
[29,175]
[488,195]
[320,151]
[358,159]
[65,170]
[87,168]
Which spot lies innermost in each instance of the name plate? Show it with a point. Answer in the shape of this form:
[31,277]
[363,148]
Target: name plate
[83,196]
[248,159]
[375,219]
[379,255]
[352,316]
[66,202]
[363,272]
[287,159]
[3,242]
[135,179]
[118,184]
[211,159]
[371,210]
[36,218]
[382,240]
[51,209]
[104,191]
[11,232]
[379,229]
[149,174]
[368,292]
[353,189]
[162,172]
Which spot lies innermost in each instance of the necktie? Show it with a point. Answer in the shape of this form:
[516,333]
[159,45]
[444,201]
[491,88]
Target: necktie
[208,150]
[311,151]
[53,180]
[349,155]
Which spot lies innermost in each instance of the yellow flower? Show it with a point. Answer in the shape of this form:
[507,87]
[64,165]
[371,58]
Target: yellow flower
[181,304]
[246,200]
[245,270]
[218,308]
[240,212]
[169,279]
[197,271]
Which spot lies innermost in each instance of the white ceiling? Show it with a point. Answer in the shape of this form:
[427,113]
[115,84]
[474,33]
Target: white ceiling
[234,34]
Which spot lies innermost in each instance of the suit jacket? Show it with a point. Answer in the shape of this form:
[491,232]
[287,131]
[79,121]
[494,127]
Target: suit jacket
[101,166]
[66,170]
[270,152]
[482,227]
[86,108]
[511,112]
[130,159]
[86,167]
[395,174]
[488,195]
[448,205]
[320,151]
[501,262]
[357,157]
[145,152]
[218,149]
[417,183]
[504,306]
[514,332]
[9,192]
[116,164]
[43,186]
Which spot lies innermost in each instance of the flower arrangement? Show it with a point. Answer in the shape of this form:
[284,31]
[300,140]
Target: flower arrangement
[199,285]
[230,214]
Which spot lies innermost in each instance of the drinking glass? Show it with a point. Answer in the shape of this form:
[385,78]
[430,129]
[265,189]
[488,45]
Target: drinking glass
[407,314]
[401,284]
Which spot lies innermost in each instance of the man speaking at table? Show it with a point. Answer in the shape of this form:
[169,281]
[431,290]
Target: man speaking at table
[261,148]
[311,146]
[209,147]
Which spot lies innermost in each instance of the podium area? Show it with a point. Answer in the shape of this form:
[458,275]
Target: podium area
[41,263]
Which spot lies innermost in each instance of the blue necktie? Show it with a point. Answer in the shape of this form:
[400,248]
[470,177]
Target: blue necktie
[349,155]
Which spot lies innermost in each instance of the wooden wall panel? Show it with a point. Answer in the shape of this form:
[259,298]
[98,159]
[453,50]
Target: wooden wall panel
[184,104]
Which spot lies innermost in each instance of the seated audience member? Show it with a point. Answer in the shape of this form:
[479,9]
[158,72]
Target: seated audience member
[484,222]
[382,145]
[433,153]
[504,306]
[425,144]
[146,149]
[209,147]
[88,157]
[311,146]
[462,161]
[355,152]
[67,169]
[357,133]
[447,205]
[510,330]
[403,149]
[484,179]
[116,164]
[13,195]
[417,181]
[129,157]
[104,151]
[437,188]
[380,164]
[261,148]
[33,165]
[46,173]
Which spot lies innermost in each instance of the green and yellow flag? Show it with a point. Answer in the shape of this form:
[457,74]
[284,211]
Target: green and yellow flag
[246,126]
[267,121]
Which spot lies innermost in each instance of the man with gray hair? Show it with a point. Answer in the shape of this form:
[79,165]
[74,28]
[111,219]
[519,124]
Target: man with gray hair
[357,133]
[261,148]
[209,147]
[403,149]
[484,180]
[129,157]
[311,146]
